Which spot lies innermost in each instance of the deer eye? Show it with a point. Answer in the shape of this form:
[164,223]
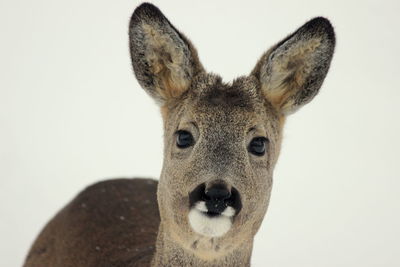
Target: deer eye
[258,146]
[184,139]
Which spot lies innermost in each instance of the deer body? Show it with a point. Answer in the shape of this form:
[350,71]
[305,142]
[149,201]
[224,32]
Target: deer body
[221,143]
[111,223]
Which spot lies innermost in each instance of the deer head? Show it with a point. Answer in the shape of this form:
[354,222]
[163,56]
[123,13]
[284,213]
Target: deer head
[222,140]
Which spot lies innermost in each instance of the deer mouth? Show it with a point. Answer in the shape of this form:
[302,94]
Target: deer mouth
[212,209]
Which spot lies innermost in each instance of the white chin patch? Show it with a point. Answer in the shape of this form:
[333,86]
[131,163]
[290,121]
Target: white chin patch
[210,226]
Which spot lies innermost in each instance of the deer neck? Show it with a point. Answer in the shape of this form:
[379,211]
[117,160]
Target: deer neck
[169,252]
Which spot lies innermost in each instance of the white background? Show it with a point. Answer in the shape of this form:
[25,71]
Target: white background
[72,113]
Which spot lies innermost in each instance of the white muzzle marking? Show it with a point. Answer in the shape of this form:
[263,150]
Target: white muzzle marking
[215,226]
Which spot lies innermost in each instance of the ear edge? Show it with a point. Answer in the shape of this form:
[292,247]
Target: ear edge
[145,11]
[318,26]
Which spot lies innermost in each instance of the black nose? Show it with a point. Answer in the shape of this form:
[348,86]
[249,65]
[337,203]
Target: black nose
[218,192]
[216,197]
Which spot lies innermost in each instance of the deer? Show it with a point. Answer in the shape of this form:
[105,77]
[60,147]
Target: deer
[221,144]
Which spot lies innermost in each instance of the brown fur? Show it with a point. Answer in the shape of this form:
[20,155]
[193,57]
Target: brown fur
[223,119]
[101,227]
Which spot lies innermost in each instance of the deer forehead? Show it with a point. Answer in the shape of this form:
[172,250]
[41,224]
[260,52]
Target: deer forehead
[231,109]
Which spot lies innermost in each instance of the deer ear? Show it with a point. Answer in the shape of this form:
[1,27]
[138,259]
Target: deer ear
[292,71]
[163,60]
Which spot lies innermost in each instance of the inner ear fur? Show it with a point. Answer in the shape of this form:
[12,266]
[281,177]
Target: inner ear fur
[163,59]
[292,71]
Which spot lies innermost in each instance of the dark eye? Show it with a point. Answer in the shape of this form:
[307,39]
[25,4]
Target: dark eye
[258,146]
[184,139]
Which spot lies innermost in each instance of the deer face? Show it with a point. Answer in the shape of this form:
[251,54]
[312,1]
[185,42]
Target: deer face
[222,140]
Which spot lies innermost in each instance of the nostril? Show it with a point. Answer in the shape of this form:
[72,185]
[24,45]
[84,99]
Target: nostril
[218,192]
[215,199]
